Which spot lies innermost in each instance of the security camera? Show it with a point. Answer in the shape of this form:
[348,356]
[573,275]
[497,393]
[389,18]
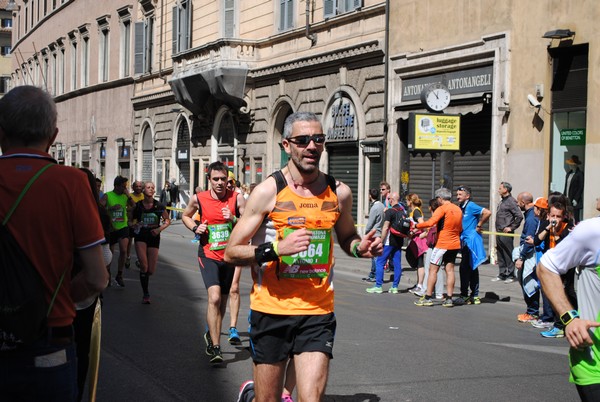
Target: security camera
[533,101]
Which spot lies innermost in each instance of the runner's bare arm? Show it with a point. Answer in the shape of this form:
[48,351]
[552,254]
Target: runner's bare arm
[238,251]
[369,245]
[188,213]
[241,204]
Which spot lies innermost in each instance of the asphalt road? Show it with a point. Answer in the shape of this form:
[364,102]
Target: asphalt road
[386,349]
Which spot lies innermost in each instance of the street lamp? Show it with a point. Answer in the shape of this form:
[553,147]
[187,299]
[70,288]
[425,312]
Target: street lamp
[11,6]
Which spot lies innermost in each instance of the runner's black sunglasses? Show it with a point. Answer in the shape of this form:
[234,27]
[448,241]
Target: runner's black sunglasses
[303,140]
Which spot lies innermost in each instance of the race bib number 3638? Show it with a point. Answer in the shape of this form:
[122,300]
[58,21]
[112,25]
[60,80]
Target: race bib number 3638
[312,262]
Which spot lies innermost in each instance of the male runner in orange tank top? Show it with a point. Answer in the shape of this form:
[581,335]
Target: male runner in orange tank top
[294,211]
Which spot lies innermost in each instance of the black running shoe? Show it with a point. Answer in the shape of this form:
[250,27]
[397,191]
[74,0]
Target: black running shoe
[217,357]
[209,344]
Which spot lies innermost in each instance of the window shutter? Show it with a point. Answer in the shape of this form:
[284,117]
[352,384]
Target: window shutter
[328,8]
[290,14]
[175,30]
[188,27]
[229,29]
[282,14]
[149,44]
[139,48]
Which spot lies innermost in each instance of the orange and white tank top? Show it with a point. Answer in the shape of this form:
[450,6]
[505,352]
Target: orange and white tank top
[300,284]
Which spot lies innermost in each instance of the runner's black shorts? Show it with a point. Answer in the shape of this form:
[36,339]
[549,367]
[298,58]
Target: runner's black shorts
[217,273]
[118,235]
[275,338]
[145,236]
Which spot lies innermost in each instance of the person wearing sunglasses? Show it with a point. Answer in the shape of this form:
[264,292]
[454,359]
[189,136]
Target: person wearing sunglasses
[290,218]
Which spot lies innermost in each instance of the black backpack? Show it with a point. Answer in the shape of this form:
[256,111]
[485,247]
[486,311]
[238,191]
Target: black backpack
[23,306]
[400,223]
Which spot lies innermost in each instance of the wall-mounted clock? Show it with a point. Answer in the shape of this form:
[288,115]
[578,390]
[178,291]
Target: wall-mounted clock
[435,97]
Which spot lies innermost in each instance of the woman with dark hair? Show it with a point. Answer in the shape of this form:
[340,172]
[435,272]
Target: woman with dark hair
[147,217]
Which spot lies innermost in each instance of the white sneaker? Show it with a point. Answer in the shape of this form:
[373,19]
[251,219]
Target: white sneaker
[497,279]
[439,296]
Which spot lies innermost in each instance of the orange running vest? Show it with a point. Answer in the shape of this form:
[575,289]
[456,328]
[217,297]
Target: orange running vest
[300,284]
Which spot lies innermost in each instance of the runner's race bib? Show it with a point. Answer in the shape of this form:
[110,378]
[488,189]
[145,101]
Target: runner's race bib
[150,219]
[218,235]
[117,215]
[312,262]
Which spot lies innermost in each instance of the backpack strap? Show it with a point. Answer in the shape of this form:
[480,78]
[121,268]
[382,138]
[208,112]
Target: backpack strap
[25,189]
[14,207]
[279,180]
[331,182]
[282,182]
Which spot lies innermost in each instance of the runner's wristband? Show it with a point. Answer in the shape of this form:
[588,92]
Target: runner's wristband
[275,245]
[355,251]
[265,252]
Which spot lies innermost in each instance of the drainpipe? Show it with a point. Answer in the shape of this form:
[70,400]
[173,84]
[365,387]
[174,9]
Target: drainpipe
[385,89]
[312,37]
[160,48]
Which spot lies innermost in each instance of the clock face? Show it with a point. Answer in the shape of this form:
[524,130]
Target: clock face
[436,97]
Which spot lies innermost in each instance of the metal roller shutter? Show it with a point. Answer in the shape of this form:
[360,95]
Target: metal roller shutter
[419,179]
[343,165]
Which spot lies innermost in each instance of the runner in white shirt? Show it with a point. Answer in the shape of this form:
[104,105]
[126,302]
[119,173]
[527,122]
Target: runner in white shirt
[580,249]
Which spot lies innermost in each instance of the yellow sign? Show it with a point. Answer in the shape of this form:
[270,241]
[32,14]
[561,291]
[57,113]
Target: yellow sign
[436,132]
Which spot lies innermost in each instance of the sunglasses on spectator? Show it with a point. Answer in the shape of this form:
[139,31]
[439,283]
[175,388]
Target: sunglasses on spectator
[304,140]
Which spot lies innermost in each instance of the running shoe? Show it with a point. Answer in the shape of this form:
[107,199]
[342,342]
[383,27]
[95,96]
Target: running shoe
[234,337]
[137,263]
[526,317]
[146,299]
[424,302]
[461,300]
[412,288]
[209,344]
[542,324]
[393,290]
[419,293]
[286,398]
[375,289]
[119,281]
[474,300]
[498,279]
[246,392]
[509,280]
[553,333]
[448,302]
[216,357]
[439,296]
[127,262]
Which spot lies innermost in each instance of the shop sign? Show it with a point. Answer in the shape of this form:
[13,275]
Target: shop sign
[572,136]
[341,122]
[183,154]
[434,132]
[475,80]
